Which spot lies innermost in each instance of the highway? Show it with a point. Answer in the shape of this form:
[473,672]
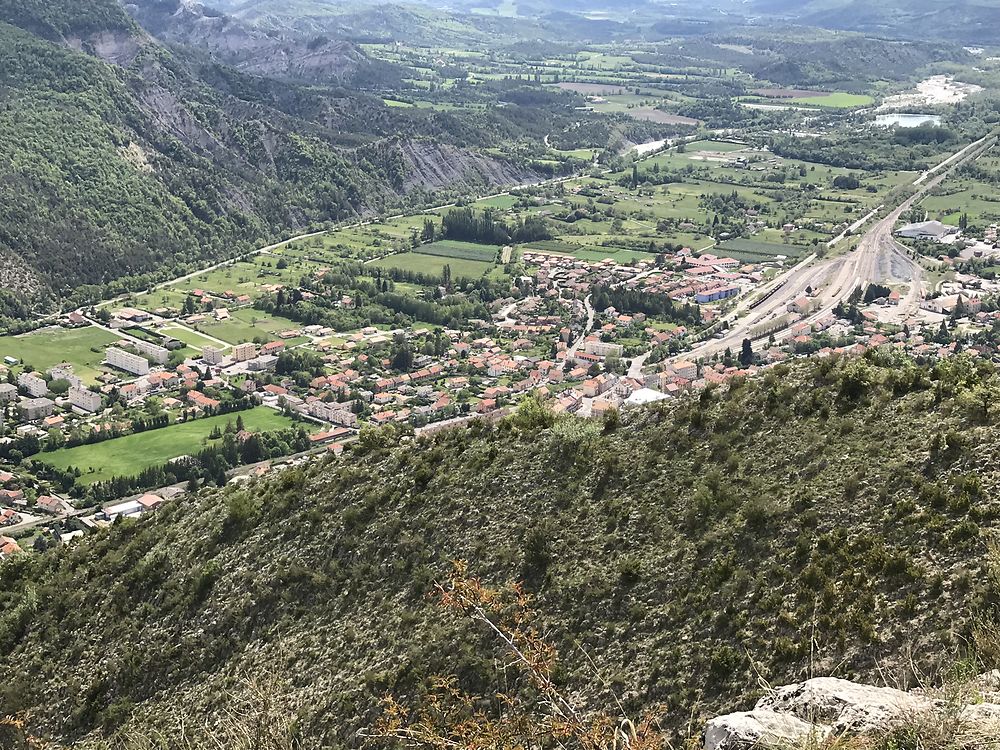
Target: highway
[877,259]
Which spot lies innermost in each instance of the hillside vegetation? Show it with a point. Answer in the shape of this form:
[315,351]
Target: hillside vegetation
[121,162]
[827,518]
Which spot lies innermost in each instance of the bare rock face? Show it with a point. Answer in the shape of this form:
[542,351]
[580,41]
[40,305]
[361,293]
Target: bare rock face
[846,706]
[437,165]
[760,728]
[802,714]
[245,47]
[982,716]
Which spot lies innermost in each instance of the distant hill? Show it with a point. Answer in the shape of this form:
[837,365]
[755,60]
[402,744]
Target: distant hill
[825,518]
[120,159]
[314,59]
[427,23]
[964,21]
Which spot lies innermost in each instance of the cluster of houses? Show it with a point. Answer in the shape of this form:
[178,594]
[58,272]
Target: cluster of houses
[32,520]
[548,343]
[704,279]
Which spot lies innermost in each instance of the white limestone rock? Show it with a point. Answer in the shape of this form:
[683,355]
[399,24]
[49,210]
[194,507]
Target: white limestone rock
[760,729]
[847,706]
[981,716]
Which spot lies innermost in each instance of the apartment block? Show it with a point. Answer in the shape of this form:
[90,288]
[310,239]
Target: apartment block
[603,349]
[126,361]
[158,354]
[85,399]
[244,352]
[37,408]
[211,355]
[34,385]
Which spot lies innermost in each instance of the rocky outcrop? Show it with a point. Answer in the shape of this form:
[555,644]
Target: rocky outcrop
[799,715]
[760,729]
[432,166]
[189,23]
[846,706]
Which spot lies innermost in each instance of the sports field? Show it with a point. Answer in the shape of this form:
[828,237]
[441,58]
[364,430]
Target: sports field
[51,346]
[434,265]
[127,456]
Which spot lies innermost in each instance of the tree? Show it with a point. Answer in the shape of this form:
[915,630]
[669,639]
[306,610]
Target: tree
[59,386]
[402,355]
[429,231]
[747,355]
[55,439]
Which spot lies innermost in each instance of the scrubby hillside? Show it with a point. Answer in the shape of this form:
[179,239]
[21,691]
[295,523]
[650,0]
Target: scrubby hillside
[826,519]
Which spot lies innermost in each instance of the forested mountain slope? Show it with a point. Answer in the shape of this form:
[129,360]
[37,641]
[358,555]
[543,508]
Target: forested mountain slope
[120,159]
[966,21]
[827,518]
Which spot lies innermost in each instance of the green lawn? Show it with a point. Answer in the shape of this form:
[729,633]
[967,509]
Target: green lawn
[50,346]
[502,202]
[247,323]
[836,101]
[434,265]
[460,250]
[127,456]
[193,339]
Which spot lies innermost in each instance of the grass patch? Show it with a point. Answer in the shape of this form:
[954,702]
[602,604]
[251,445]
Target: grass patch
[834,101]
[51,346]
[434,265]
[460,250]
[129,455]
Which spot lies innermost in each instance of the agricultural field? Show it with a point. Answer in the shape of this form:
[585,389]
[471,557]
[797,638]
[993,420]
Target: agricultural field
[974,196]
[127,456]
[81,347]
[434,264]
[753,251]
[836,101]
[809,98]
[460,250]
[249,324]
[502,202]
[973,201]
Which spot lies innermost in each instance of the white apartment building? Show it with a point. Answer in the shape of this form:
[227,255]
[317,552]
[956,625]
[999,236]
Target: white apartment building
[126,361]
[603,349]
[85,399]
[34,385]
[156,353]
